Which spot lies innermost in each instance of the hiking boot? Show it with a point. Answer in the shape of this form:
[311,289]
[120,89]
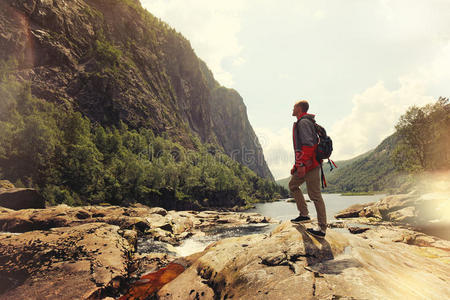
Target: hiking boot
[316,232]
[301,219]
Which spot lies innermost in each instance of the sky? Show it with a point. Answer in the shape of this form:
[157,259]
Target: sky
[359,63]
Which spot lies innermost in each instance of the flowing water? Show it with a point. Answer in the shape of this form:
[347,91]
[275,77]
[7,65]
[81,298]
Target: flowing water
[280,210]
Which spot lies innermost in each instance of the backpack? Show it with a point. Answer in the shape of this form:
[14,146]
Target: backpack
[324,150]
[325,145]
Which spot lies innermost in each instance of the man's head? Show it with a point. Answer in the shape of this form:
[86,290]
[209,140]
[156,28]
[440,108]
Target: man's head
[300,107]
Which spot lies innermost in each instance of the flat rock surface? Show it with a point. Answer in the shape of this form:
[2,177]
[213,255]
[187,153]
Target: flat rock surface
[166,226]
[62,263]
[290,264]
[79,252]
[75,252]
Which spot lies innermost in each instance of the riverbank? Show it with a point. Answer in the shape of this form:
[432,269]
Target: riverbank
[91,251]
[97,252]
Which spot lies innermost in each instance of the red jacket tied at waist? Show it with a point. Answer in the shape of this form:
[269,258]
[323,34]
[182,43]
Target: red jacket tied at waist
[305,141]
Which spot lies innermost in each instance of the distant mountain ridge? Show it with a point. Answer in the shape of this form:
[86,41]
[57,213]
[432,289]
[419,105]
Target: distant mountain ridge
[113,61]
[370,171]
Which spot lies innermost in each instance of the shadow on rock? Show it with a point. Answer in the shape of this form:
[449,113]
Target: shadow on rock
[319,255]
[337,266]
[317,249]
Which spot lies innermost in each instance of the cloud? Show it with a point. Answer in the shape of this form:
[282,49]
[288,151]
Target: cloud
[376,110]
[238,61]
[210,26]
[374,114]
[319,14]
[278,151]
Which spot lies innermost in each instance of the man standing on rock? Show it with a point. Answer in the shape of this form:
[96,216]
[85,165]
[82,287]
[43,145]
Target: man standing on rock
[306,168]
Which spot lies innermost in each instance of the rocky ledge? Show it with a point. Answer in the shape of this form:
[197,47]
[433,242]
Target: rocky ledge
[290,264]
[90,252]
[428,212]
[157,223]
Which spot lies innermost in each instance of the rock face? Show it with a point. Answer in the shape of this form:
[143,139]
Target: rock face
[242,144]
[21,198]
[290,264]
[138,70]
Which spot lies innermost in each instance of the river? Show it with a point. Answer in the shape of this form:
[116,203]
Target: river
[283,210]
[280,210]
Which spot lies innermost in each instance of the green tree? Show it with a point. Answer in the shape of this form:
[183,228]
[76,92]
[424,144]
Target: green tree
[424,134]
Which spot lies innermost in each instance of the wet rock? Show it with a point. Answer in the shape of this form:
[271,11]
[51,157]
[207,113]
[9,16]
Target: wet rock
[21,198]
[150,283]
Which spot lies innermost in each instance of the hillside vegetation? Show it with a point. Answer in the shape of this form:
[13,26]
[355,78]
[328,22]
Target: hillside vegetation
[75,161]
[114,62]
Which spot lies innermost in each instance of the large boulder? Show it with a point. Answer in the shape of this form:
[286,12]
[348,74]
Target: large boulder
[62,263]
[21,198]
[352,211]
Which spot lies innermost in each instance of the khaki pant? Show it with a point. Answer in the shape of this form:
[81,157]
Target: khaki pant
[312,179]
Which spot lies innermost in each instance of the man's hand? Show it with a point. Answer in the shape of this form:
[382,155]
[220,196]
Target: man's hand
[294,168]
[301,171]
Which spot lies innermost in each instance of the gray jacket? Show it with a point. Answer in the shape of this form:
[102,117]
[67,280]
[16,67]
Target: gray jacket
[304,132]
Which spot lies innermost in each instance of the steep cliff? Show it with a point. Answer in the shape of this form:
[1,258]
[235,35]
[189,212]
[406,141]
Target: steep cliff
[113,61]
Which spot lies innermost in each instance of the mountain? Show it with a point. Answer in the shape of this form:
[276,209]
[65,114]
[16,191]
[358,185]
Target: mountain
[114,62]
[371,171]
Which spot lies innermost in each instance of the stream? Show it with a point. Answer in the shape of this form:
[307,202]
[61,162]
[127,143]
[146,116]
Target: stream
[280,210]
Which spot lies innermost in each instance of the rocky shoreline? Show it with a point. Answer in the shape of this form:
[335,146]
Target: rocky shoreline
[427,213]
[90,252]
[93,248]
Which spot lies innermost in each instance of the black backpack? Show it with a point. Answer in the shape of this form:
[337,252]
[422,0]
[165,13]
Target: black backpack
[325,145]
[324,150]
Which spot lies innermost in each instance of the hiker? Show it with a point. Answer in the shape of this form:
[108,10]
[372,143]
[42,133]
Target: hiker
[306,168]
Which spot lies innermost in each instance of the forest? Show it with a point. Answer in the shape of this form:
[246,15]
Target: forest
[73,160]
